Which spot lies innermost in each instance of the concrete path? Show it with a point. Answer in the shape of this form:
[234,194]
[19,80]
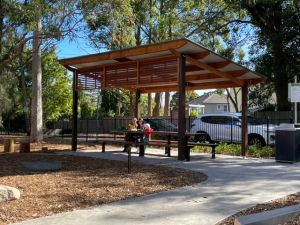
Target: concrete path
[234,184]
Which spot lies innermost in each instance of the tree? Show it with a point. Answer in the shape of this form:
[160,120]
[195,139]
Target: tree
[277,33]
[57,92]
[175,98]
[18,21]
[36,132]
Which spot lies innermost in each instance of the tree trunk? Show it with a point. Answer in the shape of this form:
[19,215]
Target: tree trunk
[281,76]
[36,134]
[149,104]
[157,104]
[234,99]
[24,95]
[167,104]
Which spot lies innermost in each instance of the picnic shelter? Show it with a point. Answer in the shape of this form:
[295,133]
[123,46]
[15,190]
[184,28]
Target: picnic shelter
[177,65]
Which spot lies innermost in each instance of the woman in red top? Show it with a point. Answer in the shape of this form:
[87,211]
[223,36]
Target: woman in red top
[147,134]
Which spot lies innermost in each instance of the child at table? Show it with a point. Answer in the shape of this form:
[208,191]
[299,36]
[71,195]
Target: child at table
[147,134]
[132,126]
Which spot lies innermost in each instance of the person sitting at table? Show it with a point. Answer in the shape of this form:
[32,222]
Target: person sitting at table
[147,134]
[132,126]
[140,123]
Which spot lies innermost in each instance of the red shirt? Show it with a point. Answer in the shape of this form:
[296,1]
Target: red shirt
[148,132]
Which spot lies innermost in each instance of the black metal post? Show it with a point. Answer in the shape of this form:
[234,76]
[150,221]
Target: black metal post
[75,112]
[62,129]
[245,120]
[87,130]
[268,122]
[181,108]
[129,158]
[231,130]
[137,112]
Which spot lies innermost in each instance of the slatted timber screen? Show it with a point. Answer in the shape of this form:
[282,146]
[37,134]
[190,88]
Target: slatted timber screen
[121,74]
[90,81]
[158,71]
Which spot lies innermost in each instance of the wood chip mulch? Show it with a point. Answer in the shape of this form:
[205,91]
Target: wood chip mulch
[83,182]
[275,204]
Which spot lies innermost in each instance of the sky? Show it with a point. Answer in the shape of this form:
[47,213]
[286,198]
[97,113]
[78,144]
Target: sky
[79,46]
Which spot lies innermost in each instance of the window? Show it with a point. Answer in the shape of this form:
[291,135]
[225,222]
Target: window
[222,107]
[225,108]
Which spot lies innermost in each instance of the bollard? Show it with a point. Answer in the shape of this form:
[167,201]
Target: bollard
[9,145]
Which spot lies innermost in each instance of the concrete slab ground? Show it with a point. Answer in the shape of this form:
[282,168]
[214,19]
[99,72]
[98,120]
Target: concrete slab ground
[233,184]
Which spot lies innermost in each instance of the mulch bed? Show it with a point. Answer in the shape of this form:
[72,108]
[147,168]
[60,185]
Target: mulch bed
[83,182]
[278,203]
[76,187]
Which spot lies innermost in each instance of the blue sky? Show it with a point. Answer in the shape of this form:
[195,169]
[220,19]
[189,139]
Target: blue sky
[71,48]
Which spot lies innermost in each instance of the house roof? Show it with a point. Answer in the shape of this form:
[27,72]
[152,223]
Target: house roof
[155,68]
[209,99]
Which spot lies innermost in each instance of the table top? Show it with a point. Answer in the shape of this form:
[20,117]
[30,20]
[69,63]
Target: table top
[163,133]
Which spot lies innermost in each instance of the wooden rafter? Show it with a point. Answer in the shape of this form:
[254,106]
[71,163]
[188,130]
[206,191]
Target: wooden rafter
[200,55]
[204,76]
[217,65]
[213,70]
[208,68]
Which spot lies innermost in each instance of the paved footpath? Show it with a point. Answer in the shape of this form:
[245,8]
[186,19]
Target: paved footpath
[234,184]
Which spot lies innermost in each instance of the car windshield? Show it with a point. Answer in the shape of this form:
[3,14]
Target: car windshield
[161,124]
[253,121]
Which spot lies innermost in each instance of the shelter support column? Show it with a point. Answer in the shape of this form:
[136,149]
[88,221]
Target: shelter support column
[245,120]
[74,112]
[137,112]
[181,108]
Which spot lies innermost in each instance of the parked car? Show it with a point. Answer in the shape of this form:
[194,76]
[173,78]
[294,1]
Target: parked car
[161,124]
[227,128]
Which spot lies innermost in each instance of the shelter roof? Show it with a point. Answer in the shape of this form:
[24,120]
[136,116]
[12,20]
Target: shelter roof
[155,68]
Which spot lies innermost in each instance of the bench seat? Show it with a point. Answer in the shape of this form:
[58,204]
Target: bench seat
[160,143]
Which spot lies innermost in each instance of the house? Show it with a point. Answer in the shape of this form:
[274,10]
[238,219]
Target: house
[209,103]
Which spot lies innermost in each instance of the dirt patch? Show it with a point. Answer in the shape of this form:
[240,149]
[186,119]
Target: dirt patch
[275,204]
[83,182]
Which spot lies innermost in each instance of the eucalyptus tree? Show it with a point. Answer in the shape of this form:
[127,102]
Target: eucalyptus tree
[25,23]
[275,49]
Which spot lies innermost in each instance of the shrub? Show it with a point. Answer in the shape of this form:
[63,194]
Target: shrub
[236,150]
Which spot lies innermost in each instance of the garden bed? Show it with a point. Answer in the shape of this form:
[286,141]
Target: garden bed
[275,204]
[83,182]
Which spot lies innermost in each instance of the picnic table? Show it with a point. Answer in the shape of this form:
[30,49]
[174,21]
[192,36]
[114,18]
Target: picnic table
[167,143]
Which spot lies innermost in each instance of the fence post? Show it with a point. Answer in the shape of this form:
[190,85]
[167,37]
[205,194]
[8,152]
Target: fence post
[62,128]
[231,130]
[189,123]
[87,130]
[115,123]
[8,127]
[268,122]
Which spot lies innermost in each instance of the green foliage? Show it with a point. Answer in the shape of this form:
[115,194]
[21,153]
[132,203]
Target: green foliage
[87,106]
[235,150]
[175,98]
[9,95]
[261,96]
[276,50]
[18,18]
[57,93]
[194,114]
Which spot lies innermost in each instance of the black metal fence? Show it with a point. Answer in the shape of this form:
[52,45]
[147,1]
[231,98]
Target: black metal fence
[218,129]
